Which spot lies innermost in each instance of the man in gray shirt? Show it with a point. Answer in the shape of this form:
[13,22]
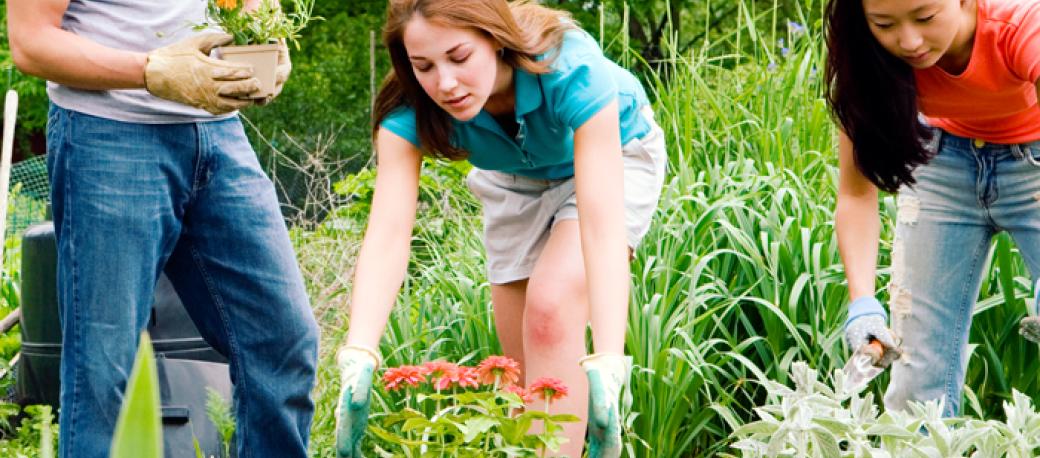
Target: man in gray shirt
[151,171]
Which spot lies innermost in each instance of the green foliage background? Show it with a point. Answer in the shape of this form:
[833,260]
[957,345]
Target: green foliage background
[740,275]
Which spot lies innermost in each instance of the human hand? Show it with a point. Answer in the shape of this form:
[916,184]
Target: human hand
[356,365]
[868,322]
[183,72]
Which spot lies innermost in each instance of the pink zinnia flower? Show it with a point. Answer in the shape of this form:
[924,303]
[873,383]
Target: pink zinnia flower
[519,391]
[397,377]
[442,373]
[501,368]
[548,388]
[466,377]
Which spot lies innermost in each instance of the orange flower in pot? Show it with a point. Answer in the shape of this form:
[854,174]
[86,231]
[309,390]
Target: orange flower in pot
[260,37]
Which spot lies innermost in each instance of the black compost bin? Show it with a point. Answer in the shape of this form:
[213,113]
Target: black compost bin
[187,364]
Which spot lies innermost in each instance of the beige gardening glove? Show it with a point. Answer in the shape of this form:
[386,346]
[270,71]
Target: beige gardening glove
[183,72]
[281,73]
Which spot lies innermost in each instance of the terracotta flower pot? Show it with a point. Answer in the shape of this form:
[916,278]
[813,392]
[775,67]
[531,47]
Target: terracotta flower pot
[263,59]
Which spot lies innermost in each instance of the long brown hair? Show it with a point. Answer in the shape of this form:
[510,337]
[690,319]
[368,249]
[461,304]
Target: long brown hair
[524,30]
[873,96]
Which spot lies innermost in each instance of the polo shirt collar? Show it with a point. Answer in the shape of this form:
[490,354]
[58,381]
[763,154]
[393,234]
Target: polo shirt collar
[528,92]
[528,98]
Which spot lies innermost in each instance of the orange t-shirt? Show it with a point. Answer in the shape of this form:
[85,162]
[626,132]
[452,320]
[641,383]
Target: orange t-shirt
[995,98]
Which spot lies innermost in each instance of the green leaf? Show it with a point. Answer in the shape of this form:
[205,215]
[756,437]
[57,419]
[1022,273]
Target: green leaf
[139,427]
[476,426]
[564,418]
[758,427]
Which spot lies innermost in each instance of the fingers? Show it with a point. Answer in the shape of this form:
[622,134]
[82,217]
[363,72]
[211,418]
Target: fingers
[238,88]
[224,105]
[282,74]
[1030,328]
[283,52]
[887,340]
[363,389]
[232,73]
[207,42]
[222,70]
[284,64]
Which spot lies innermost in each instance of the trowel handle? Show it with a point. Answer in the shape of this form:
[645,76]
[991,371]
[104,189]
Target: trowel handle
[875,350]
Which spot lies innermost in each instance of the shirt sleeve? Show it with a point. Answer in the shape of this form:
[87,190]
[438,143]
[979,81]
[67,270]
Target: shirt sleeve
[402,122]
[1024,44]
[580,83]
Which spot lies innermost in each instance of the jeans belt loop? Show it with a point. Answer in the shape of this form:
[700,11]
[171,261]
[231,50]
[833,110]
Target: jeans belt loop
[1027,151]
[1016,151]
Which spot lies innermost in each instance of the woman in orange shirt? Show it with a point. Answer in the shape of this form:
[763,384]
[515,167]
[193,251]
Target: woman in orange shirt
[936,100]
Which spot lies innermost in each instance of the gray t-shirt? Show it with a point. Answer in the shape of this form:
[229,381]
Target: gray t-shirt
[133,25]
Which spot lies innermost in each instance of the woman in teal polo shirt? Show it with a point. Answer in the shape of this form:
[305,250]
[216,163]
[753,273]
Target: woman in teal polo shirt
[557,133]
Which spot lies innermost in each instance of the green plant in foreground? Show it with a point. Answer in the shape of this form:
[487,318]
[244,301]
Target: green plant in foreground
[139,427]
[263,25]
[472,412]
[219,412]
[817,420]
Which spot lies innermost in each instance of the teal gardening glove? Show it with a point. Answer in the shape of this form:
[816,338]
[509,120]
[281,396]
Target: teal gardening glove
[356,365]
[607,373]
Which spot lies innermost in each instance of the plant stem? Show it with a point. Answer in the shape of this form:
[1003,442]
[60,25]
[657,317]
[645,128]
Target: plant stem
[545,427]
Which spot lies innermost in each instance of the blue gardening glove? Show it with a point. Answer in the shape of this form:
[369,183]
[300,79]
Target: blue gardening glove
[356,365]
[1030,325]
[607,373]
[868,322]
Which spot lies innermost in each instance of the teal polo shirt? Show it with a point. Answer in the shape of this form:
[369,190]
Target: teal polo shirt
[549,107]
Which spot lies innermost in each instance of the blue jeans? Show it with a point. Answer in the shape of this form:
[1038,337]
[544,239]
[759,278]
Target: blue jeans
[132,200]
[965,195]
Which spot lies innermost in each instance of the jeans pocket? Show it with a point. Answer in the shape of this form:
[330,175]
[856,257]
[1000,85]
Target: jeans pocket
[56,128]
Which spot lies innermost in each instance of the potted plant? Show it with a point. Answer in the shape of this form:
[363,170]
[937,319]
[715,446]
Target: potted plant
[258,34]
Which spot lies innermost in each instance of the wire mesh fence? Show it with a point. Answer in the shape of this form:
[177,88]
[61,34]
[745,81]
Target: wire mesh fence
[29,199]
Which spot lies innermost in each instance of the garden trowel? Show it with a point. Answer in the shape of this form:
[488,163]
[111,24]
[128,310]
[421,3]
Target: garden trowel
[866,364]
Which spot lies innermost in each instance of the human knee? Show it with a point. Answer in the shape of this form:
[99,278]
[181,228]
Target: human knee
[299,345]
[309,335]
[544,323]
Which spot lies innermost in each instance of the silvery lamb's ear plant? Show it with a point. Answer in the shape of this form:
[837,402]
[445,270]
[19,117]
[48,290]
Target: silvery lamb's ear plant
[818,420]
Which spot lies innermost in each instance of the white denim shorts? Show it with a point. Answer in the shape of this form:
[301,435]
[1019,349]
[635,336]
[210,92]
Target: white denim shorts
[519,212]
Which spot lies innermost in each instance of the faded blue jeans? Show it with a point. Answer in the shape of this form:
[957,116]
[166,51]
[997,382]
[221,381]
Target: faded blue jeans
[132,200]
[965,195]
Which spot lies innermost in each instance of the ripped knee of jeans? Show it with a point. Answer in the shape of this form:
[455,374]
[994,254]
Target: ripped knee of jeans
[899,293]
[908,208]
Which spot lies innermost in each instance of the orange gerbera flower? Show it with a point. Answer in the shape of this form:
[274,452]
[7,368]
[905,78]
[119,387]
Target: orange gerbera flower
[548,388]
[227,4]
[502,369]
[397,377]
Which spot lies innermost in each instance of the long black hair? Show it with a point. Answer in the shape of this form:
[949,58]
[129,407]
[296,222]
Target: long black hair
[873,96]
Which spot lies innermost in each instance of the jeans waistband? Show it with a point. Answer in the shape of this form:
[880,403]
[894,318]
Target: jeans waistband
[1026,151]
